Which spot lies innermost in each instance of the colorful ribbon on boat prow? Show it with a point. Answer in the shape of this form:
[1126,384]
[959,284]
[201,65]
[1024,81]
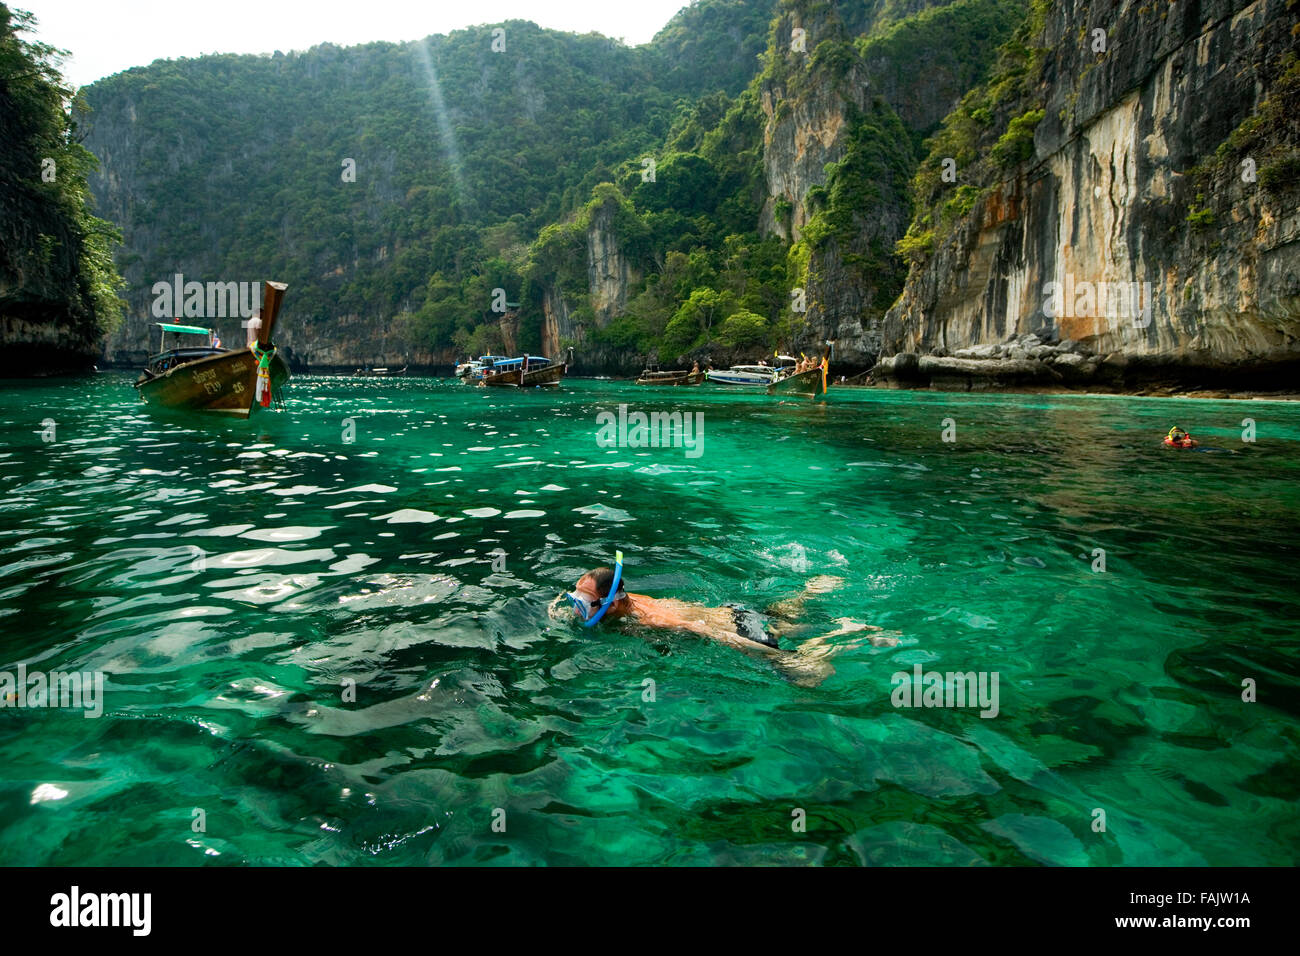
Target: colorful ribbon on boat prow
[263,393]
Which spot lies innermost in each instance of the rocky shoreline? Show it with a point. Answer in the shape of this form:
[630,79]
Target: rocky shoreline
[1025,365]
[1028,363]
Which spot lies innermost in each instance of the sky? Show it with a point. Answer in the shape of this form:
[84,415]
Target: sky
[108,36]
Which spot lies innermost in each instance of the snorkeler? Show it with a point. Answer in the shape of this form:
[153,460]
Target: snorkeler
[1179,438]
[600,595]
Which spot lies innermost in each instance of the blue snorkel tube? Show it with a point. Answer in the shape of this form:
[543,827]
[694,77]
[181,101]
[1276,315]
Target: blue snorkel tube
[612,596]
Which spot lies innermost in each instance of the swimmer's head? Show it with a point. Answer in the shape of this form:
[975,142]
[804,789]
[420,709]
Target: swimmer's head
[593,588]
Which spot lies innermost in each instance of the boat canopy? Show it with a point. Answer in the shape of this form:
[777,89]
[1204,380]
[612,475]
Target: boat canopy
[787,358]
[510,363]
[186,329]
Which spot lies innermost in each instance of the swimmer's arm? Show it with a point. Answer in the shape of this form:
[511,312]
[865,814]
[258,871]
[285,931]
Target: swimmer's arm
[745,644]
[731,638]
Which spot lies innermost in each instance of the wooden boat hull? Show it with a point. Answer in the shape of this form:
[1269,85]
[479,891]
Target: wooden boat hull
[224,383]
[544,376]
[673,378]
[808,384]
[518,378]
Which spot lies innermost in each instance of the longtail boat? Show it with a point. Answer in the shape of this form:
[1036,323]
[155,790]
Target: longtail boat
[527,371]
[209,378]
[678,377]
[809,383]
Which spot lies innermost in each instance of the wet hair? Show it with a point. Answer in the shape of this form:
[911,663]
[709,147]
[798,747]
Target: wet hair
[601,579]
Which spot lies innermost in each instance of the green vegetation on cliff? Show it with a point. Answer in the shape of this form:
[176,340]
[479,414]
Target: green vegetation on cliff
[56,266]
[407,182]
[602,194]
[1265,146]
[706,271]
[990,131]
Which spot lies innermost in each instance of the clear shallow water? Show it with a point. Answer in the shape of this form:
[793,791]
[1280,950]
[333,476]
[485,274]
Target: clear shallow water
[227,577]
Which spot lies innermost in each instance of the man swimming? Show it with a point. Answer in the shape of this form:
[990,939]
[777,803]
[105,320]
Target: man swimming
[600,596]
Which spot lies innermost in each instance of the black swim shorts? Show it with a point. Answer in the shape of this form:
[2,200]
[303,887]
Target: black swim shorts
[751,625]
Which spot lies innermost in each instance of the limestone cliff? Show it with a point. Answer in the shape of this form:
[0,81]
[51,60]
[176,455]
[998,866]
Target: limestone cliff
[573,316]
[843,115]
[805,107]
[1152,226]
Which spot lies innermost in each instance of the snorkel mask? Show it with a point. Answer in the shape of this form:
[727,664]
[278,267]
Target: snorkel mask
[586,609]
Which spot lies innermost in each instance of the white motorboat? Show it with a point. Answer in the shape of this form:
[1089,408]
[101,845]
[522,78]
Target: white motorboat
[757,376]
[472,371]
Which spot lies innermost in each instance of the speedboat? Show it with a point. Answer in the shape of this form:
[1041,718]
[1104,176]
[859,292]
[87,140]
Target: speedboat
[472,370]
[758,376]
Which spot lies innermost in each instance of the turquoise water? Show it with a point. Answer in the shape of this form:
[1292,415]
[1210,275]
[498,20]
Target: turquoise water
[230,578]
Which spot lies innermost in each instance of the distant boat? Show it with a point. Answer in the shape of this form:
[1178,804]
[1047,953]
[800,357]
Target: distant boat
[206,377]
[652,376]
[381,372]
[526,371]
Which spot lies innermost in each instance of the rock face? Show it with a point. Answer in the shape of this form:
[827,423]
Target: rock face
[828,100]
[1091,239]
[45,346]
[1120,250]
[570,320]
[1024,362]
[608,271]
[806,117]
[355,341]
[47,322]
